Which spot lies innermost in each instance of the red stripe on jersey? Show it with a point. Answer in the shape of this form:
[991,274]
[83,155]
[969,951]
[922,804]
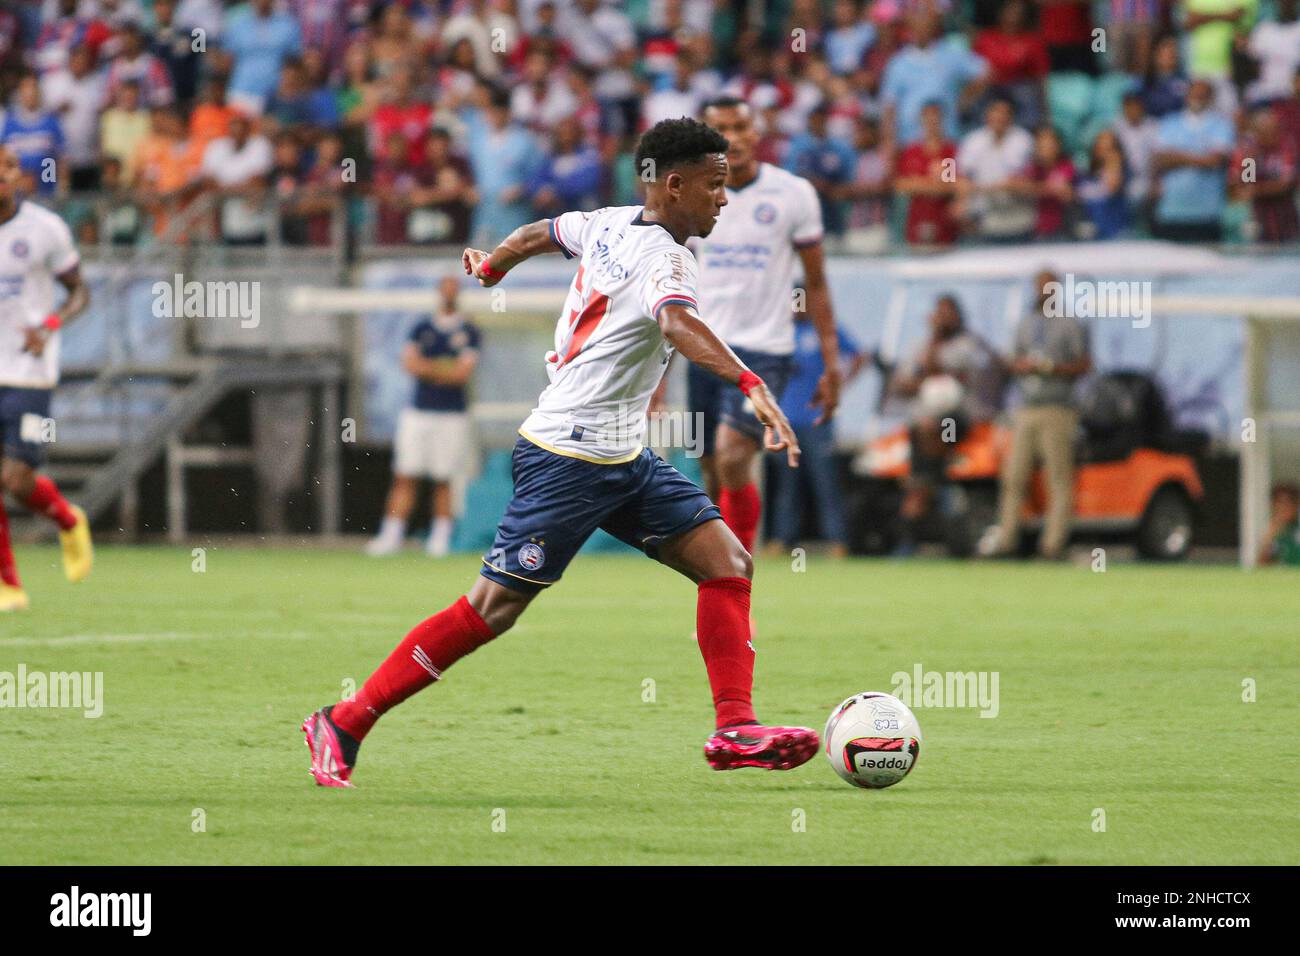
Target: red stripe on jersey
[596,309]
[675,297]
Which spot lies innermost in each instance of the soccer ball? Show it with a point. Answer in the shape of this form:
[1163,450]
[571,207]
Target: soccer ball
[872,740]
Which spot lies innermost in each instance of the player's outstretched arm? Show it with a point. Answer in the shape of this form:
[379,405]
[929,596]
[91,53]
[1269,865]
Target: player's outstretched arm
[525,242]
[74,304]
[689,335]
[827,397]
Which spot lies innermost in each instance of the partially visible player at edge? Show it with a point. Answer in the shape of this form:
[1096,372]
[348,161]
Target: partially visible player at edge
[36,251]
[748,267]
[579,462]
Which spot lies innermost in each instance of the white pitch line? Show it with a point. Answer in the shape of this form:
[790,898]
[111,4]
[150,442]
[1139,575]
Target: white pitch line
[71,639]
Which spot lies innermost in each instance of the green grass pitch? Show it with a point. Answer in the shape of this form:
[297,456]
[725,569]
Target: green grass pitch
[1119,691]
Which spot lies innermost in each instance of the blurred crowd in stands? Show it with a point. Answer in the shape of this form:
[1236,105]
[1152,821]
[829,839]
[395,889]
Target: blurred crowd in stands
[429,121]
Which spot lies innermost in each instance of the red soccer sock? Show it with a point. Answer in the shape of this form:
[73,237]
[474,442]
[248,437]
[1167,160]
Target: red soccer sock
[431,647]
[46,500]
[722,626]
[8,568]
[741,509]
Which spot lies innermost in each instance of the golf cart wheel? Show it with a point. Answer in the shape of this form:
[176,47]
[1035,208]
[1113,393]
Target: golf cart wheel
[1166,530]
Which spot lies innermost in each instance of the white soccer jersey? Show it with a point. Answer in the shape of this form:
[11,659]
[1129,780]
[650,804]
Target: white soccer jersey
[35,246]
[609,351]
[749,263]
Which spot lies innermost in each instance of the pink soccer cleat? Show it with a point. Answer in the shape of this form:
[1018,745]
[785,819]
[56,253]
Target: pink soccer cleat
[753,745]
[331,759]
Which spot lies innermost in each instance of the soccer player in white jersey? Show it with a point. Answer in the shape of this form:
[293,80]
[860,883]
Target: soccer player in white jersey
[36,254]
[769,232]
[579,463]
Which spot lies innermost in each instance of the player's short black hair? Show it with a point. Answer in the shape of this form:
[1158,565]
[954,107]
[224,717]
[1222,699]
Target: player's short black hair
[673,143]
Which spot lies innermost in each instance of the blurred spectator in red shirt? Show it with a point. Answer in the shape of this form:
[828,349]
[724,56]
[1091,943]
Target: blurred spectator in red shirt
[1049,180]
[1066,28]
[401,114]
[927,174]
[443,195]
[391,181]
[321,190]
[544,37]
[586,106]
[1018,61]
[1287,112]
[1264,171]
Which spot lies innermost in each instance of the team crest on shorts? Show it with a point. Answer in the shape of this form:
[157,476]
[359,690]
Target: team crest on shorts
[20,249]
[764,212]
[531,556]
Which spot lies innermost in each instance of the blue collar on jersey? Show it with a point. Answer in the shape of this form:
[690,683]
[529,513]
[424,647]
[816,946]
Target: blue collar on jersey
[638,221]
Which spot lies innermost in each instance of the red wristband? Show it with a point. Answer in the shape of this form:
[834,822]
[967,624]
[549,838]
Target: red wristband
[487,272]
[52,322]
[748,380]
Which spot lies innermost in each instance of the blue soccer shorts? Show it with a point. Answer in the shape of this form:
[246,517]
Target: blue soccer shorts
[721,402]
[23,414]
[560,501]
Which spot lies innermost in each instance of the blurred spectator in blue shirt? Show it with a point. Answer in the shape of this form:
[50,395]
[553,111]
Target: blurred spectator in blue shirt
[1102,191]
[295,106]
[260,38]
[1165,87]
[826,162]
[503,156]
[929,69]
[850,38]
[570,177]
[35,135]
[1191,154]
[172,43]
[817,466]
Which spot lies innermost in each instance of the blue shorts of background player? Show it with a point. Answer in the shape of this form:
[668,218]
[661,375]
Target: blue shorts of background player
[560,501]
[721,403]
[23,413]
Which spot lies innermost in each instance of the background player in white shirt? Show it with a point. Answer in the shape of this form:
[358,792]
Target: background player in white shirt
[579,463]
[36,254]
[769,232]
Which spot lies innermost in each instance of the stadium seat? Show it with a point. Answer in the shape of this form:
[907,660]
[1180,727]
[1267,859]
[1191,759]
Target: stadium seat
[1108,97]
[1083,149]
[1070,103]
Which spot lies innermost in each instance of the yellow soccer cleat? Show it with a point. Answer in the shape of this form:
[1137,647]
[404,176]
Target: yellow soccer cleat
[78,552]
[12,598]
